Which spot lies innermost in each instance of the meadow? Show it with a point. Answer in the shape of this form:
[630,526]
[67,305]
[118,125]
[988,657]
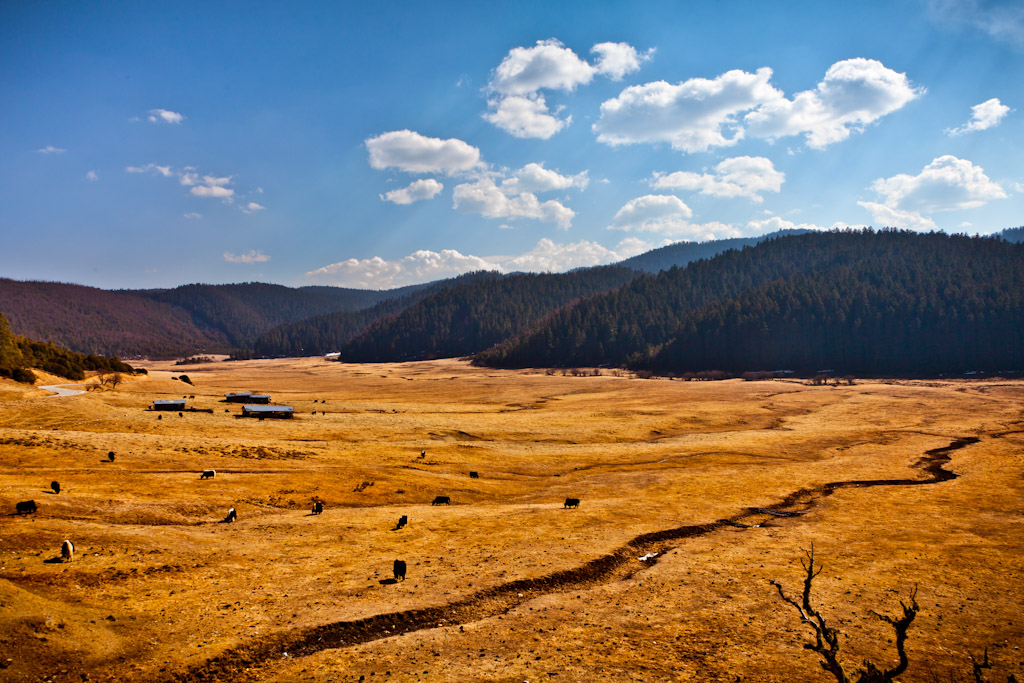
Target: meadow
[727,482]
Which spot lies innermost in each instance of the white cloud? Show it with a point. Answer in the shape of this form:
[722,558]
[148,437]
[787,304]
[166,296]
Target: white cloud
[887,216]
[50,149]
[854,93]
[535,178]
[193,215]
[775,223]
[165,171]
[409,151]
[737,177]
[420,266]
[691,116]
[983,116]
[946,184]
[551,257]
[487,199]
[250,257]
[548,65]
[215,191]
[700,114]
[252,207]
[92,176]
[519,108]
[615,60]
[419,189]
[669,216]
[525,116]
[424,265]
[165,116]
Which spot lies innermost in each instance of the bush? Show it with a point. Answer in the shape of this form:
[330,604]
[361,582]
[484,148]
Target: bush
[23,375]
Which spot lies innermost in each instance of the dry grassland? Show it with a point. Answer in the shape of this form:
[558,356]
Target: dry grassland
[503,585]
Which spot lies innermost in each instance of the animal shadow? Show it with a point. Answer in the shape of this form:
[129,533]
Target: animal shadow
[54,560]
[388,582]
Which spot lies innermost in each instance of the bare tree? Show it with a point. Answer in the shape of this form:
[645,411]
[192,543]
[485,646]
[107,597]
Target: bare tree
[111,379]
[826,643]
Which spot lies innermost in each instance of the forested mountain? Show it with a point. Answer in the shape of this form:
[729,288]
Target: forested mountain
[469,317]
[332,331]
[167,322]
[822,298]
[18,354]
[683,253]
[1013,234]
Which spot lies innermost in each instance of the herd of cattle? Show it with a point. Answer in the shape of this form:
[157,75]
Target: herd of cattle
[67,548]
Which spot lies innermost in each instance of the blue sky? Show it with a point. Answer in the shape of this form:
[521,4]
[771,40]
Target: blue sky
[380,144]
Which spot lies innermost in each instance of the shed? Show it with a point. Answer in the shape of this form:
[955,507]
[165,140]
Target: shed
[252,410]
[237,396]
[259,398]
[172,404]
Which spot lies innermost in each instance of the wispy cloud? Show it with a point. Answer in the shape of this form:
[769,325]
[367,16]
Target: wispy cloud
[200,185]
[1003,21]
[92,176]
[252,207]
[986,115]
[164,116]
[192,215]
[250,257]
[50,149]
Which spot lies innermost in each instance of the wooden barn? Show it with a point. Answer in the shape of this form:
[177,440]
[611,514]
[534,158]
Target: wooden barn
[176,404]
[261,411]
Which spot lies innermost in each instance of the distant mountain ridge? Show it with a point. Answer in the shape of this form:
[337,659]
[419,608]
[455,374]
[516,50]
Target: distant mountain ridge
[683,253]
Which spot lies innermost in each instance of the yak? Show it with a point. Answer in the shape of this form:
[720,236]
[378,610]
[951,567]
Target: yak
[67,551]
[208,474]
[26,507]
[399,570]
[442,500]
[571,503]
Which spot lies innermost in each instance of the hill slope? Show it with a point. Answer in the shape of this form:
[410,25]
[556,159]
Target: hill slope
[682,254]
[809,300]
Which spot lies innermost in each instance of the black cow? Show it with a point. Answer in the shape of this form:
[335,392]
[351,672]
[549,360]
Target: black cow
[442,500]
[110,455]
[232,516]
[208,474]
[423,454]
[399,570]
[318,507]
[474,475]
[571,503]
[55,485]
[26,507]
[402,521]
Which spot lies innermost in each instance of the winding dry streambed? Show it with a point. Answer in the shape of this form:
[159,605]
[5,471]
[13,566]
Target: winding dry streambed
[242,663]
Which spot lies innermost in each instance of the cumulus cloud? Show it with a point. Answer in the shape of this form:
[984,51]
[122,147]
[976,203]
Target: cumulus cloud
[411,152]
[615,60]
[775,223]
[250,257]
[700,114]
[484,197]
[983,116]
[517,105]
[419,189]
[854,93]
[50,149]
[164,116]
[252,207]
[165,171]
[946,184]
[534,177]
[737,177]
[420,266]
[215,191]
[92,176]
[549,256]
[525,116]
[424,266]
[669,216]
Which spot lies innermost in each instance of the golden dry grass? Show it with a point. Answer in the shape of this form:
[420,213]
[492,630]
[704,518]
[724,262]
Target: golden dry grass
[158,587]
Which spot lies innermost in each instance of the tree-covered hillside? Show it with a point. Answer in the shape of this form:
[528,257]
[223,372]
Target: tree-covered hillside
[19,354]
[842,300]
[469,317]
[681,254]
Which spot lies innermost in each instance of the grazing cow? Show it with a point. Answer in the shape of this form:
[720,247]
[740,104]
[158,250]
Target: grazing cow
[318,507]
[110,455]
[423,454]
[208,474]
[442,500]
[402,521]
[232,516]
[26,507]
[474,475]
[55,485]
[67,551]
[399,570]
[571,503]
